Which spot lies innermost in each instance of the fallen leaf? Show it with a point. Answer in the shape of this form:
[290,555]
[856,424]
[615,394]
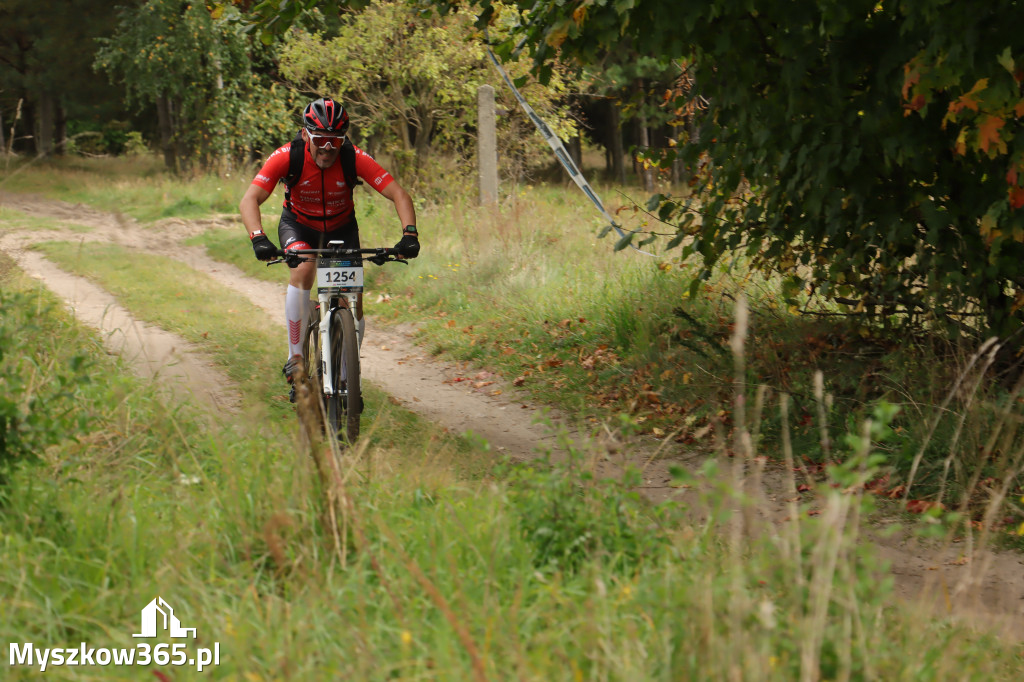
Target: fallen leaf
[898,491]
[519,381]
[921,506]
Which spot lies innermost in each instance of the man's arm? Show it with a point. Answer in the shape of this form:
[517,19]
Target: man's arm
[250,208]
[403,203]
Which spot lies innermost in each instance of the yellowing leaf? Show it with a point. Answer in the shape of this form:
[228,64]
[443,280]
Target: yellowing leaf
[988,135]
[969,99]
[961,142]
[911,78]
[1016,197]
[557,35]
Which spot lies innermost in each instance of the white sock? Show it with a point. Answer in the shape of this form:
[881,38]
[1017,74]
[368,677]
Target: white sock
[296,312]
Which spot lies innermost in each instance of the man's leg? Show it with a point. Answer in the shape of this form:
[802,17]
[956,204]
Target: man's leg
[296,306]
[292,235]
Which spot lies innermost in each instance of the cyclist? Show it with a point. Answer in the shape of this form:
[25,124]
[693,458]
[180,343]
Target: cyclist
[320,173]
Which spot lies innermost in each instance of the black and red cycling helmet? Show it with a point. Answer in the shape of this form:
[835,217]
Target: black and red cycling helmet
[325,116]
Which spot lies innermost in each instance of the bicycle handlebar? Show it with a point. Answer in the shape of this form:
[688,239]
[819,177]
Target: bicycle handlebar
[379,255]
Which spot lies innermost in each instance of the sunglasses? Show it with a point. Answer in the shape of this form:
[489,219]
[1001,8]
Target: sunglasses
[326,141]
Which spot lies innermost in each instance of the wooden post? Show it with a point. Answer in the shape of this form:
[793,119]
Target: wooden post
[487,146]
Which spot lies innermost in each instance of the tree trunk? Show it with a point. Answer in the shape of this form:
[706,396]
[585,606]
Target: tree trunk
[45,125]
[61,130]
[644,168]
[422,142]
[179,122]
[615,147]
[28,126]
[3,140]
[576,151]
[163,115]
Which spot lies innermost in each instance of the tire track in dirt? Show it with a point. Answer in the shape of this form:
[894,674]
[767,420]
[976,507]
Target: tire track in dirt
[180,372]
[987,590]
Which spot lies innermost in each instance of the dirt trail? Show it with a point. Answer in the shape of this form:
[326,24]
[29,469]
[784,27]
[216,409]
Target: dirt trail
[153,353]
[987,590]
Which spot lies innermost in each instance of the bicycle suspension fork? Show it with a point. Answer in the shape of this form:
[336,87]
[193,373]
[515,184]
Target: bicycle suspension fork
[326,316]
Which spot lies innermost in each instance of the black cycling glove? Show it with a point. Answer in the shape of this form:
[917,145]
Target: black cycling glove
[264,248]
[409,246]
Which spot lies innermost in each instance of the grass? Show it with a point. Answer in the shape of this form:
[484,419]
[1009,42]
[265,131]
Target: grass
[135,186]
[445,578]
[223,326]
[533,573]
[526,289]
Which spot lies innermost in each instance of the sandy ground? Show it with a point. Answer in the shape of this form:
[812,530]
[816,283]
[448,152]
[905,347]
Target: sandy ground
[979,587]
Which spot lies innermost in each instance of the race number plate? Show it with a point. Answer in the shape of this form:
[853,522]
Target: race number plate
[336,275]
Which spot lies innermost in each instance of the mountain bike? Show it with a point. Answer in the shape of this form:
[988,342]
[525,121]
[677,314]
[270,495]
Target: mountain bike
[331,346]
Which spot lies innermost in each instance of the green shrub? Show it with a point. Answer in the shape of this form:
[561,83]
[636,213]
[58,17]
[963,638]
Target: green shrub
[37,388]
[570,517]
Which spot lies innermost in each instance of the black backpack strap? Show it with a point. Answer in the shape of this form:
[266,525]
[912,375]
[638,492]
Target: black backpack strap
[296,157]
[348,164]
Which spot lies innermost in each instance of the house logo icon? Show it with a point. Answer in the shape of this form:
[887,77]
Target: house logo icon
[158,615]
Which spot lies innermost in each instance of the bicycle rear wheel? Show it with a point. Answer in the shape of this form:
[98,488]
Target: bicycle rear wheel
[344,406]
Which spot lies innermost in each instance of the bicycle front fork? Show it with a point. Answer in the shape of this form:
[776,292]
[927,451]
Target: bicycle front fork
[328,304]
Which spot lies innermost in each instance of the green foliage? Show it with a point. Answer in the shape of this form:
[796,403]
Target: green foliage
[410,83]
[569,517]
[272,18]
[810,159]
[37,387]
[199,69]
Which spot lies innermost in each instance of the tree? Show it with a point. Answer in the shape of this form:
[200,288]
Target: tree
[45,57]
[196,67]
[842,145]
[410,81]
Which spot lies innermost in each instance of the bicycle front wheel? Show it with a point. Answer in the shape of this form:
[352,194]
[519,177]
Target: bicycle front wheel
[345,404]
[311,348]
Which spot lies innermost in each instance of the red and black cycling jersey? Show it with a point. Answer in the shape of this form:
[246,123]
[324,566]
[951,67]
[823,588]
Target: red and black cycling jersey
[321,199]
